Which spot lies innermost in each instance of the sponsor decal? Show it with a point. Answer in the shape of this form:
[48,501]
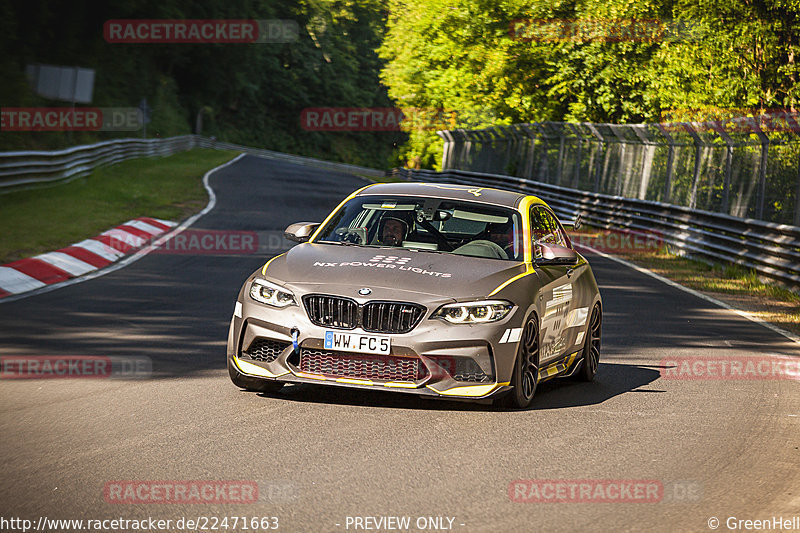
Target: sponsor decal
[391,262]
[475,191]
[511,335]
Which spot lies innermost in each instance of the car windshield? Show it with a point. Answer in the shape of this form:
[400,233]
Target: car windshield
[430,224]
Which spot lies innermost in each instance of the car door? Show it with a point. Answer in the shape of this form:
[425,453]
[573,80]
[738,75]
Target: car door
[556,296]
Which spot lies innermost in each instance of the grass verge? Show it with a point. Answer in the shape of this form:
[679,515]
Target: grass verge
[41,220]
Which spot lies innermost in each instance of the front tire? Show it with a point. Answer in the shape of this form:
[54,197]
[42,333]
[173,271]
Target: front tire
[526,369]
[591,346]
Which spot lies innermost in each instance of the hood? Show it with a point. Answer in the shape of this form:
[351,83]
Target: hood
[391,273]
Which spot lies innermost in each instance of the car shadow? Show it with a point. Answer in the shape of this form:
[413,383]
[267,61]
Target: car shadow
[612,379]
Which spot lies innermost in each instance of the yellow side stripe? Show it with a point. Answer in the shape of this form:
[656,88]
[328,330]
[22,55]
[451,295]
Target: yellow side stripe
[529,270]
[470,390]
[355,381]
[557,368]
[402,384]
[312,376]
[571,359]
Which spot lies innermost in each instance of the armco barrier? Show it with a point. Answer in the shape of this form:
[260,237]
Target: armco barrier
[31,168]
[772,250]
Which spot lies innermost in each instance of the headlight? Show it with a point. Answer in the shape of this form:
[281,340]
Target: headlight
[268,293]
[474,312]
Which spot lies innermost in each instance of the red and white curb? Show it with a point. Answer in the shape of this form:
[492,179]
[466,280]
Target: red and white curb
[80,258]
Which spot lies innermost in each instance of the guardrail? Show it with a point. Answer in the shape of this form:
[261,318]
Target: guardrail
[32,168]
[772,250]
[41,167]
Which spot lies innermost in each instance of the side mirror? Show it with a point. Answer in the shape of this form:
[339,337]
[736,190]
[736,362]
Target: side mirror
[300,231]
[554,254]
[574,224]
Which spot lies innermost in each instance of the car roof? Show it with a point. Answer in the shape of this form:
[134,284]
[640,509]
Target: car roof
[450,191]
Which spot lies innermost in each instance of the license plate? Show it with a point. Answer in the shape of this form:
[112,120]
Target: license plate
[351,342]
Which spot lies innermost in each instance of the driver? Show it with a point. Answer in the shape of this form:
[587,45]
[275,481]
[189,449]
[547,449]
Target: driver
[393,231]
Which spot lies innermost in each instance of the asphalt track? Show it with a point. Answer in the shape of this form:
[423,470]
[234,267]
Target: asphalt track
[720,448]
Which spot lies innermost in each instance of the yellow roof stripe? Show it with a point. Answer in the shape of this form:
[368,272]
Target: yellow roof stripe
[324,222]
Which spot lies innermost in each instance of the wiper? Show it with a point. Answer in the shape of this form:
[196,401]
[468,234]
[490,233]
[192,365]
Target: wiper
[341,243]
[427,250]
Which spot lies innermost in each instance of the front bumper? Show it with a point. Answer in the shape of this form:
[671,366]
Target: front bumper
[443,352]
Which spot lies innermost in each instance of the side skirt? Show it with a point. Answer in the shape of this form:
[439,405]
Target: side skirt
[562,368]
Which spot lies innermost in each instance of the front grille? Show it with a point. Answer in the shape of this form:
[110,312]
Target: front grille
[391,317]
[332,311]
[376,317]
[474,377]
[361,366]
[265,350]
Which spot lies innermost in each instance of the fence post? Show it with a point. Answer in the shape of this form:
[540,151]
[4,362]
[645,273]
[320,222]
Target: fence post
[543,176]
[726,187]
[762,168]
[447,136]
[600,148]
[560,166]
[696,173]
[531,152]
[577,173]
[797,196]
[638,130]
[670,160]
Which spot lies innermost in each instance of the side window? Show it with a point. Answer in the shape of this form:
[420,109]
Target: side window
[558,229]
[545,229]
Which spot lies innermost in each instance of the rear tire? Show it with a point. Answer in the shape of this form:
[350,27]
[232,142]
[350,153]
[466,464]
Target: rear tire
[526,369]
[591,346]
